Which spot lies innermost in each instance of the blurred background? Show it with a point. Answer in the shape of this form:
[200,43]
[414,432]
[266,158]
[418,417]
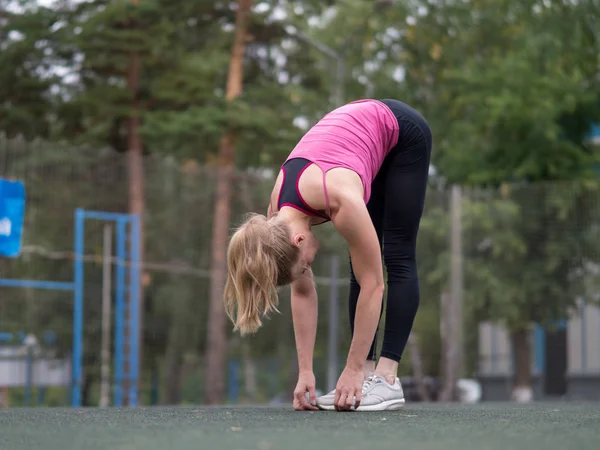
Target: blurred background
[135,134]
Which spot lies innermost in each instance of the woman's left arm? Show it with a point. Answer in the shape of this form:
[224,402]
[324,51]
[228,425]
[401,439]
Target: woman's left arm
[353,222]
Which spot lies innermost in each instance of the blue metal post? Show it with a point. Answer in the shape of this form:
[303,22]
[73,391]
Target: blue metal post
[134,309]
[233,381]
[583,337]
[540,348]
[120,312]
[78,310]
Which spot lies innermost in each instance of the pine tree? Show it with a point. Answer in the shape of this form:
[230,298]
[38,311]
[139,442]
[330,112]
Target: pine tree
[27,54]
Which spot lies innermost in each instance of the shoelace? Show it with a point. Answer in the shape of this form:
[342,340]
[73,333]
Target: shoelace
[368,382]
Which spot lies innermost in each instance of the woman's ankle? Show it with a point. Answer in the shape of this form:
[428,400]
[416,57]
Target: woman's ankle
[369,368]
[388,369]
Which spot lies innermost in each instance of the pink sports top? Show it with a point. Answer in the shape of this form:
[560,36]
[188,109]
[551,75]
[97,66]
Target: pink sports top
[356,136]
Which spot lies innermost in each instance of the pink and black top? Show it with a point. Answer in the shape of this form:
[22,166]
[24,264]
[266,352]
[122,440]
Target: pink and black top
[357,136]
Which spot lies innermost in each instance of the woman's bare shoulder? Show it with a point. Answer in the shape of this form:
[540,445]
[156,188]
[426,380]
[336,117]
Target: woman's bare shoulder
[343,186]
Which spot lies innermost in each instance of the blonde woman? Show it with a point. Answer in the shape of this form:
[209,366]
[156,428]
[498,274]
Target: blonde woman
[364,167]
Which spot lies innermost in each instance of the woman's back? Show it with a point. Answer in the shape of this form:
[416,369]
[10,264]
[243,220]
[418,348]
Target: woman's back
[356,136]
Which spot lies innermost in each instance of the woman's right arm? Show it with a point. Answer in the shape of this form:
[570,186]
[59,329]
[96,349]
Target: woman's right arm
[304,316]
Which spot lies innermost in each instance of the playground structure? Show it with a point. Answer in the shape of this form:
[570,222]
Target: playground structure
[127,293]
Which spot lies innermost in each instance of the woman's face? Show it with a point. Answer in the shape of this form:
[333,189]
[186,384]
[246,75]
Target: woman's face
[308,245]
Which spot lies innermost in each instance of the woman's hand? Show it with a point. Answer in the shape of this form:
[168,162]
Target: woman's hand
[348,391]
[306,383]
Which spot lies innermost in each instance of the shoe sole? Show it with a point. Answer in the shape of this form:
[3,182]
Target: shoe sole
[389,405]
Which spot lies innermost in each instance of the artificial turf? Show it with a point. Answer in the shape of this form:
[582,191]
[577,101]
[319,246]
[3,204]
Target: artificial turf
[502,426]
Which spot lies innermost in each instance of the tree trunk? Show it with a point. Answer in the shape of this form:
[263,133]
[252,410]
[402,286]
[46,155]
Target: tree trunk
[135,170]
[217,335]
[417,365]
[106,318]
[522,391]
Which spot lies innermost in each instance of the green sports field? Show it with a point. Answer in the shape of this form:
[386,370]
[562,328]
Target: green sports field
[502,426]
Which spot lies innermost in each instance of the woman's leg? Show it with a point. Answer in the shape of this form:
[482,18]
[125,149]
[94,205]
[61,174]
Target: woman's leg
[406,184]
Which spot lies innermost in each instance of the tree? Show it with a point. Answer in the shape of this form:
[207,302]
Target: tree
[27,55]
[217,338]
[135,172]
[510,89]
[524,127]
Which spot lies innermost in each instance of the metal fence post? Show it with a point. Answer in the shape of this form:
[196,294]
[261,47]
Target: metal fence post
[78,310]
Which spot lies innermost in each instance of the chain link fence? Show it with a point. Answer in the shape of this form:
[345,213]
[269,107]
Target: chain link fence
[525,249]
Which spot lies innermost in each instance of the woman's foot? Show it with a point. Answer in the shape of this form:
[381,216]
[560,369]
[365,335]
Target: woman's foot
[377,395]
[325,402]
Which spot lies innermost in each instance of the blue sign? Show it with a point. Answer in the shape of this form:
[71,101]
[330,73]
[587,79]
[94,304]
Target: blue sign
[12,213]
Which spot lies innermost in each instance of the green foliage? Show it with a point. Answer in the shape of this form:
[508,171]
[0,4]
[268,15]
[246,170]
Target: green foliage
[27,53]
[527,250]
[516,100]
[184,51]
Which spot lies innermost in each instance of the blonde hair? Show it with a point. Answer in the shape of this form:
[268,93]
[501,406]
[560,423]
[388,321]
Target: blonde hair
[260,258]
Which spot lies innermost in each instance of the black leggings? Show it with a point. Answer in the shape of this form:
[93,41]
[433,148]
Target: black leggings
[396,206]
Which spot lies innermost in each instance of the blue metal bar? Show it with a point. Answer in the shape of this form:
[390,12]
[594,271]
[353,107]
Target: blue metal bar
[134,309]
[97,215]
[583,337]
[78,310]
[55,285]
[5,337]
[120,312]
[233,381]
[540,348]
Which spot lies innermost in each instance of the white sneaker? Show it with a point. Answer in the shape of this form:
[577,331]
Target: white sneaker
[379,395]
[325,402]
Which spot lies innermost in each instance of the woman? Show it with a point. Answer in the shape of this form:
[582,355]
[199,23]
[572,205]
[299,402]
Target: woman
[364,167]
